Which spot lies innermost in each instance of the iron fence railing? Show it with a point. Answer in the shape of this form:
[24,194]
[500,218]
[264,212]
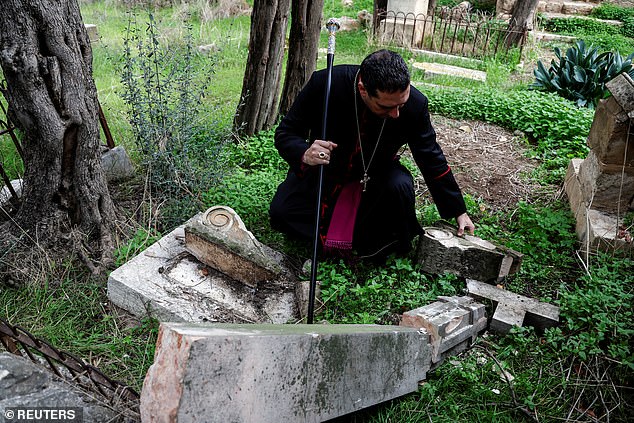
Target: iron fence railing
[18,341]
[464,34]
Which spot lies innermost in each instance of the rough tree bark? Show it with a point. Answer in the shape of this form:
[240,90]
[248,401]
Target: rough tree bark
[258,108]
[46,59]
[521,21]
[303,45]
[378,14]
[431,7]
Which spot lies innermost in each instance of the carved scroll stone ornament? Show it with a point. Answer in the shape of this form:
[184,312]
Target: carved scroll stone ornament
[219,239]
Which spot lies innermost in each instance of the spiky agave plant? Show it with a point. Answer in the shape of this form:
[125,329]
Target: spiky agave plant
[581,74]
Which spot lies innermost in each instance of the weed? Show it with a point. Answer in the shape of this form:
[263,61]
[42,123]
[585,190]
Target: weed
[139,242]
[73,315]
[598,314]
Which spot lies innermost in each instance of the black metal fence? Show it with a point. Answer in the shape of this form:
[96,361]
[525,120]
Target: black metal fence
[449,31]
[18,341]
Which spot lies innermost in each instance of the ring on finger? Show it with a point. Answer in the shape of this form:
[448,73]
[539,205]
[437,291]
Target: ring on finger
[322,155]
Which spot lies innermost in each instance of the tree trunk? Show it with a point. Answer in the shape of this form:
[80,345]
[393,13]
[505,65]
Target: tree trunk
[260,88]
[303,45]
[431,7]
[378,14]
[521,21]
[46,59]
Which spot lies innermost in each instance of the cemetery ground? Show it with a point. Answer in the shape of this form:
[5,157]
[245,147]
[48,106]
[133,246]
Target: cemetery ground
[580,371]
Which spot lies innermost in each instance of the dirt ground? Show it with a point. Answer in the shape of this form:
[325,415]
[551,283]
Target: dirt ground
[489,162]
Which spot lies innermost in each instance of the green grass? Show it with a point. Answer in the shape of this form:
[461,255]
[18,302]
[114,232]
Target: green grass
[71,309]
[73,315]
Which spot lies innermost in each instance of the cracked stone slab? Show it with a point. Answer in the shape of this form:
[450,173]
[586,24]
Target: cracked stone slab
[453,323]
[279,373]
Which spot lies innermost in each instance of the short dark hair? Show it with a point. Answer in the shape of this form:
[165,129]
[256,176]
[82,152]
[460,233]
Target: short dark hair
[385,71]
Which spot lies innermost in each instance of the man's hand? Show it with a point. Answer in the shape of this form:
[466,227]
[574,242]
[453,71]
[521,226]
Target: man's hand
[318,153]
[464,224]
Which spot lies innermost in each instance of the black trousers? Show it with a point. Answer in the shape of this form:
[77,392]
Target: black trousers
[386,220]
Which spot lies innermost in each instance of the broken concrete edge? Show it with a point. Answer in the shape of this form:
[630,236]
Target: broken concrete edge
[270,266]
[452,323]
[515,255]
[441,250]
[596,230]
[302,293]
[622,88]
[171,284]
[175,359]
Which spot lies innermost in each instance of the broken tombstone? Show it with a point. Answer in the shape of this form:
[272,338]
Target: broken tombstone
[513,309]
[288,373]
[452,323]
[600,188]
[220,239]
[167,281]
[440,250]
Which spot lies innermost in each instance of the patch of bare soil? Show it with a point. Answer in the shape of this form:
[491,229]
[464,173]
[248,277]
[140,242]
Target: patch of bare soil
[488,161]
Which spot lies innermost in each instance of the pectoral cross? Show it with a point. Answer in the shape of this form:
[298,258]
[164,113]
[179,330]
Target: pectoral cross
[364,181]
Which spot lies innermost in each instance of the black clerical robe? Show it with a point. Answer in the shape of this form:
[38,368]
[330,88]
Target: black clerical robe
[386,215]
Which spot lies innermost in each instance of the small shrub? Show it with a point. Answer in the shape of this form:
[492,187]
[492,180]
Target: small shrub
[179,145]
[612,12]
[579,26]
[581,73]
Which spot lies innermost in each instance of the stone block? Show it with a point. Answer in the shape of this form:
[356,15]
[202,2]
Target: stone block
[515,310]
[405,7]
[606,187]
[452,323]
[279,373]
[24,384]
[93,34]
[506,316]
[437,69]
[166,282]
[577,8]
[440,251]
[608,137]
[302,294]
[407,32]
[553,7]
[546,36]
[572,187]
[597,230]
[6,195]
[117,164]
[622,89]
[220,239]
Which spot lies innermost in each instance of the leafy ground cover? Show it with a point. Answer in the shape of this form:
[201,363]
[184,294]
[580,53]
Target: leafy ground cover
[580,371]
